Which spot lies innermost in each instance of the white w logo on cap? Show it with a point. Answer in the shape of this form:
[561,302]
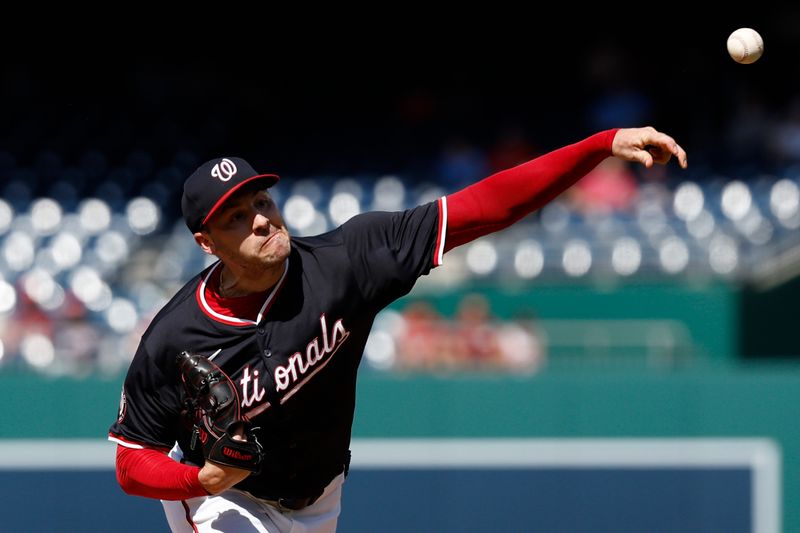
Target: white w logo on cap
[224,170]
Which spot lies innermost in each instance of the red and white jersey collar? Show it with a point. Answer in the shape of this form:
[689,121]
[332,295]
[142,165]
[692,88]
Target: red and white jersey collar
[231,311]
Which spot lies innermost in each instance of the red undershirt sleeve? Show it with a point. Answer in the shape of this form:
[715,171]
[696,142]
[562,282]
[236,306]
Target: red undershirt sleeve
[152,474]
[503,198]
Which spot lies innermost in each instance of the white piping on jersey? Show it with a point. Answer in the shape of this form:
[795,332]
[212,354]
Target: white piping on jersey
[442,231]
[125,443]
[264,406]
[286,375]
[320,367]
[225,318]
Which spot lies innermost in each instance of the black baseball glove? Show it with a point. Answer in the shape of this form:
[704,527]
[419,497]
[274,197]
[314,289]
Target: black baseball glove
[213,406]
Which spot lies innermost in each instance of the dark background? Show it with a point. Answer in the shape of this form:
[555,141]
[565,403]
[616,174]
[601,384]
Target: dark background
[387,94]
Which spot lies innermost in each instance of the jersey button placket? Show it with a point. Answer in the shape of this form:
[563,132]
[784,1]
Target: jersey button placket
[265,351]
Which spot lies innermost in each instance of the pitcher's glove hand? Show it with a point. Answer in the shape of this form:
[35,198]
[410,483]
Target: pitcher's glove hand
[212,403]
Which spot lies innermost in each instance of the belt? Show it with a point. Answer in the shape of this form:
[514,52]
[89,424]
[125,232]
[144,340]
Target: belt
[291,504]
[296,504]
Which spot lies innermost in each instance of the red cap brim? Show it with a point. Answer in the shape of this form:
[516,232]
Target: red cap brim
[272,179]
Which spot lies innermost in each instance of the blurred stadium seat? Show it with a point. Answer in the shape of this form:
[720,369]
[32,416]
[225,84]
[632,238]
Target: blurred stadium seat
[112,253]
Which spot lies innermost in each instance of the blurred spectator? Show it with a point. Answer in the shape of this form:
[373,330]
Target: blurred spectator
[27,320]
[785,139]
[75,339]
[511,148]
[422,342]
[460,164]
[618,102]
[749,131]
[611,186]
[521,345]
[472,340]
[474,335]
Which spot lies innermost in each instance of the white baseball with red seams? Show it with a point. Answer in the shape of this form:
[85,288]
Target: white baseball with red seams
[745,45]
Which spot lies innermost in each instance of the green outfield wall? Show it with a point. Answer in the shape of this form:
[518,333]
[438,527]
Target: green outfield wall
[703,318]
[729,401]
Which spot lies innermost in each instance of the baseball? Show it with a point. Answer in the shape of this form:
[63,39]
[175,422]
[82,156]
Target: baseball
[745,45]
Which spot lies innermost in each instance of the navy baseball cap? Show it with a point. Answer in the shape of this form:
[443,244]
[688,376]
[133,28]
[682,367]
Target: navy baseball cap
[214,182]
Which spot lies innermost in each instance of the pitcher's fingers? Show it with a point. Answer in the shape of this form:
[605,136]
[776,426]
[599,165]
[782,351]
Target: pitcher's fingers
[662,139]
[680,153]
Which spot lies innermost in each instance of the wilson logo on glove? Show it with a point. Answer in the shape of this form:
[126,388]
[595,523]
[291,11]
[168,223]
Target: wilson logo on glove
[234,454]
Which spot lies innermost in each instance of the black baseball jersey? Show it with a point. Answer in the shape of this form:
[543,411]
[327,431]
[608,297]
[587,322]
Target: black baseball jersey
[295,365]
